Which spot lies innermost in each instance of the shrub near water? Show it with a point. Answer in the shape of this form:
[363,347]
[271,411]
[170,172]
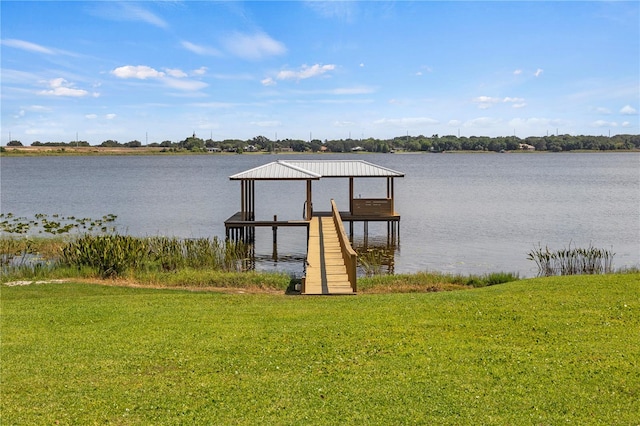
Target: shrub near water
[111,255]
[115,255]
[172,253]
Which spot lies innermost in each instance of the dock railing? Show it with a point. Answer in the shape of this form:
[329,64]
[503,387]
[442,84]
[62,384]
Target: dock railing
[372,207]
[349,255]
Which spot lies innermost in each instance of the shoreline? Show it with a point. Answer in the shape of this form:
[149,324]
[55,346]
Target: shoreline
[51,151]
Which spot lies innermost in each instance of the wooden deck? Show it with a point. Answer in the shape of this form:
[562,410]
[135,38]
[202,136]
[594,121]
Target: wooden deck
[326,272]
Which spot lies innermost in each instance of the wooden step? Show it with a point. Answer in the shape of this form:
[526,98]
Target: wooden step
[331,276]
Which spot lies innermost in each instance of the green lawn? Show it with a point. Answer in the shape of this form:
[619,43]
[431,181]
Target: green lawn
[542,351]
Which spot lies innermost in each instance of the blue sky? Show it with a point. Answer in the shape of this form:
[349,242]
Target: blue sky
[154,71]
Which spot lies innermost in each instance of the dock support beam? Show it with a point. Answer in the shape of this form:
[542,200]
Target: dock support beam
[309,208]
[274,229]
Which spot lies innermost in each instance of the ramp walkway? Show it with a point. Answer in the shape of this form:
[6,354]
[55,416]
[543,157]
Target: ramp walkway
[331,261]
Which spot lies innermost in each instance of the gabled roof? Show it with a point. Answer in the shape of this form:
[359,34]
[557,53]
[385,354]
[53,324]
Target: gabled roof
[309,169]
[278,170]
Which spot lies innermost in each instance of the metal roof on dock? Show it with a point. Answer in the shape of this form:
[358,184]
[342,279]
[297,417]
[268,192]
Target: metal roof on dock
[315,169]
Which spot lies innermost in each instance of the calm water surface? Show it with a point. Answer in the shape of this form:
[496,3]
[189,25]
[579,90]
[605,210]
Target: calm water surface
[461,213]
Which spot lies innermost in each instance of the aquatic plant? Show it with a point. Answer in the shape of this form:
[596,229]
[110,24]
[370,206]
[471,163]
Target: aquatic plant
[12,249]
[174,253]
[55,225]
[572,261]
[111,255]
[372,260]
[115,255]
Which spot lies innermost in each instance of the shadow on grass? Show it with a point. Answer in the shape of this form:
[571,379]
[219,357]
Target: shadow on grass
[295,285]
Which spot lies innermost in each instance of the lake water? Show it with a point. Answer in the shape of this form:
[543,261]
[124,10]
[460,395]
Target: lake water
[461,213]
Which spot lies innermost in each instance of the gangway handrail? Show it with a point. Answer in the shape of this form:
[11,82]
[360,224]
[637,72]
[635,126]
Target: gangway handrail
[349,255]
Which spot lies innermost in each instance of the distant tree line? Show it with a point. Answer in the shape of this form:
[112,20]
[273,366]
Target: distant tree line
[61,144]
[434,143]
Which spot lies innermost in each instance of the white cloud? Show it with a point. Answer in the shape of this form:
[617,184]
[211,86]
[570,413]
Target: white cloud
[173,78]
[268,82]
[517,102]
[61,87]
[513,100]
[200,50]
[199,71]
[357,90]
[626,124]
[538,72]
[628,110]
[485,102]
[454,123]
[517,72]
[26,45]
[95,116]
[188,85]
[133,12]
[177,73]
[601,110]
[254,46]
[305,72]
[141,72]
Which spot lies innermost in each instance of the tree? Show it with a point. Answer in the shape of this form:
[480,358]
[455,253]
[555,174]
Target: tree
[315,145]
[261,142]
[298,145]
[497,145]
[14,143]
[193,143]
[110,143]
[133,144]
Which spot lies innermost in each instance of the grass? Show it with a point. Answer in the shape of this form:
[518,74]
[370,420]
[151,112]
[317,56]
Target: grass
[430,282]
[541,351]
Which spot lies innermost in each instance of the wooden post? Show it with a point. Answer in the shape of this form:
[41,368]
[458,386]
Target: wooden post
[242,200]
[309,203]
[390,194]
[366,234]
[274,228]
[351,195]
[253,200]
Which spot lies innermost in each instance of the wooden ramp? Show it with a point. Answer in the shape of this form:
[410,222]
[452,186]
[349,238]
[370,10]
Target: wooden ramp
[326,269]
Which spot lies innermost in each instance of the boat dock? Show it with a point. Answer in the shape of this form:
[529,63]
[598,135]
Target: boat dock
[331,261]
